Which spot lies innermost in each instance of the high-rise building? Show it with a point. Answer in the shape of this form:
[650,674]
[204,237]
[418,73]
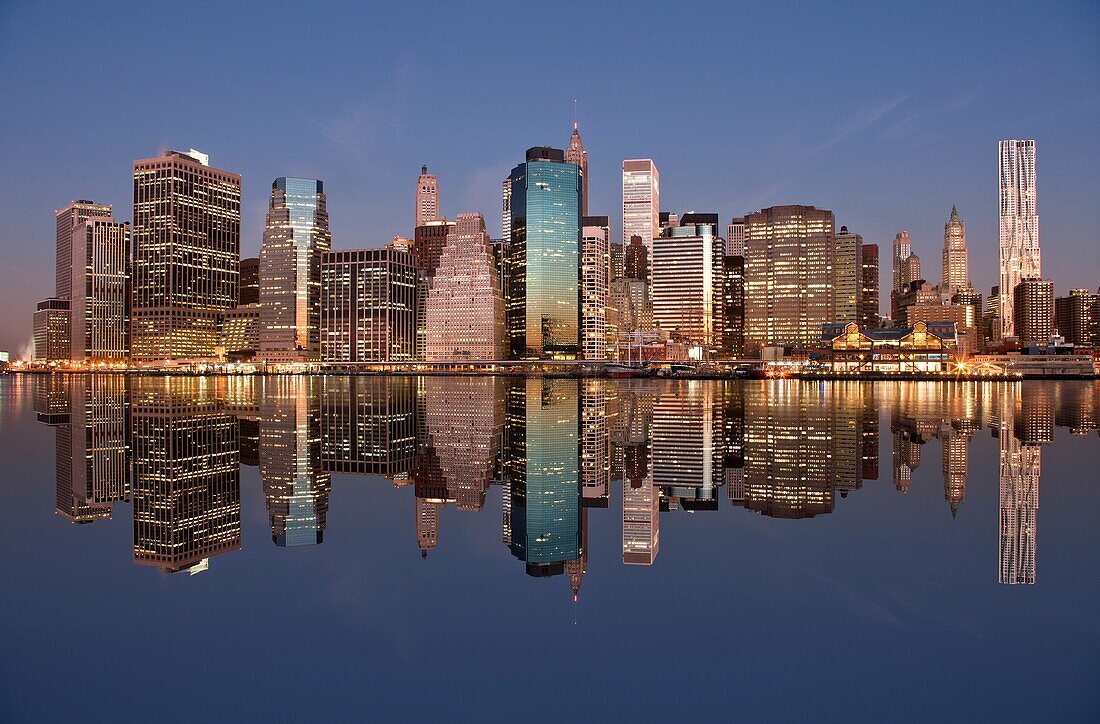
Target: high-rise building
[687,283]
[1033,311]
[869,293]
[187,251]
[1019,229]
[249,292]
[733,306]
[506,211]
[1077,317]
[543,301]
[428,241]
[641,201]
[956,272]
[51,330]
[68,219]
[240,333]
[788,275]
[847,276]
[576,155]
[295,238]
[368,306]
[735,237]
[464,309]
[636,259]
[906,270]
[595,286]
[99,301]
[427,197]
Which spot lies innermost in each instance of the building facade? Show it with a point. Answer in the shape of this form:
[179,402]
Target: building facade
[464,309]
[1033,311]
[100,296]
[368,306]
[956,269]
[543,300]
[595,286]
[187,250]
[733,306]
[641,201]
[1077,317]
[427,197]
[295,238]
[687,283]
[578,156]
[869,293]
[788,275]
[1019,227]
[51,330]
[847,276]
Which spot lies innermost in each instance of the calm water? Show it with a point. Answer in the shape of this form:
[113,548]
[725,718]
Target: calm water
[234,549]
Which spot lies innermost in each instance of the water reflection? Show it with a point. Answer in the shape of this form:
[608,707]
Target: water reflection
[556,450]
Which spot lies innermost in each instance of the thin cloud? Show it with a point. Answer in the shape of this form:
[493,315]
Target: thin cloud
[861,122]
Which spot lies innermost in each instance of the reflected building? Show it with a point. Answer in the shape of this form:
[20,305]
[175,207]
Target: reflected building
[187,492]
[543,514]
[1019,470]
[595,443]
[368,425]
[464,417]
[687,453]
[296,487]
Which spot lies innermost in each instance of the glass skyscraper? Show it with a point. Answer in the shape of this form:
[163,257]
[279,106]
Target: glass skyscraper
[543,305]
[295,237]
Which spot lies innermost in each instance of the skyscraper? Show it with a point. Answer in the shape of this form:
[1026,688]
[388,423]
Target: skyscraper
[99,302]
[543,309]
[1077,317]
[595,286]
[295,238]
[869,294]
[187,251]
[427,197]
[788,275]
[1019,231]
[641,201]
[249,290]
[956,272]
[576,155]
[905,269]
[735,237]
[847,277]
[51,330]
[506,211]
[687,283]
[68,219]
[1033,311]
[733,306]
[464,309]
[368,306]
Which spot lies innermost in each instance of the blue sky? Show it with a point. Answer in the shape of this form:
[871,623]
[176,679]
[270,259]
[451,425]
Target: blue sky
[886,115]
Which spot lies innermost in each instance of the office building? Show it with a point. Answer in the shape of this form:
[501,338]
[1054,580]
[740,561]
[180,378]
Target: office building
[506,211]
[240,333]
[1077,317]
[635,259]
[543,300]
[687,283]
[464,308]
[956,271]
[51,330]
[733,307]
[249,292]
[735,237]
[68,219]
[847,276]
[595,286]
[869,293]
[187,251]
[368,306]
[295,238]
[788,275]
[99,301]
[1033,311]
[427,197]
[576,155]
[641,201]
[1019,227]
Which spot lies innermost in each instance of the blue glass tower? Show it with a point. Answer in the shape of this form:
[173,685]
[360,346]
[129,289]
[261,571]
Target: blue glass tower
[543,301]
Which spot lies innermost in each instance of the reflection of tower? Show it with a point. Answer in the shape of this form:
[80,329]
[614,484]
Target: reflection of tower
[187,492]
[544,467]
[906,456]
[789,469]
[576,568]
[290,461]
[1020,462]
[595,444]
[954,444]
[641,512]
[463,419]
[368,425]
[687,452]
[427,525]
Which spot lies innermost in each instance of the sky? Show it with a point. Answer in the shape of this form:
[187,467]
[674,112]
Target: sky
[885,115]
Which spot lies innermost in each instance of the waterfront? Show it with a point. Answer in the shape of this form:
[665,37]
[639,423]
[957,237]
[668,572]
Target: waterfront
[402,546]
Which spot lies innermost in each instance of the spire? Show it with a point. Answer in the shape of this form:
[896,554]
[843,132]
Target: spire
[954,213]
[954,508]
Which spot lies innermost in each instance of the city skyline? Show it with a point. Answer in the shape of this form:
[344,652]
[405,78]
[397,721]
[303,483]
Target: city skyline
[897,143]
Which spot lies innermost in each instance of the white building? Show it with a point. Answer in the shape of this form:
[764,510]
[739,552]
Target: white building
[1019,239]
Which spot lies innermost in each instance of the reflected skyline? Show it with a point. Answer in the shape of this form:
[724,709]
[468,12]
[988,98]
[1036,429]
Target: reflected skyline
[560,453]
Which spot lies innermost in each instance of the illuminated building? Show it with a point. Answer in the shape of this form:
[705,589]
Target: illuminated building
[368,306]
[635,259]
[788,275]
[427,197]
[295,238]
[296,487]
[464,309]
[187,251]
[543,517]
[576,155]
[429,239]
[687,283]
[506,211]
[735,237]
[1019,227]
[925,347]
[733,306]
[595,443]
[955,454]
[905,269]
[956,272]
[918,293]
[641,202]
[99,301]
[1033,311]
[368,425]
[847,276]
[51,330]
[595,286]
[543,303]
[68,218]
[249,292]
[240,336]
[1077,317]
[869,293]
[1019,471]
[186,474]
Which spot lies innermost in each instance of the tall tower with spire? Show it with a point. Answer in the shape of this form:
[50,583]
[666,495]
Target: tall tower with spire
[956,274]
[576,155]
[427,197]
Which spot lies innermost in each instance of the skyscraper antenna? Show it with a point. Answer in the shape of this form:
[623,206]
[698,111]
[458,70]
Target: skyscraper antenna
[574,113]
